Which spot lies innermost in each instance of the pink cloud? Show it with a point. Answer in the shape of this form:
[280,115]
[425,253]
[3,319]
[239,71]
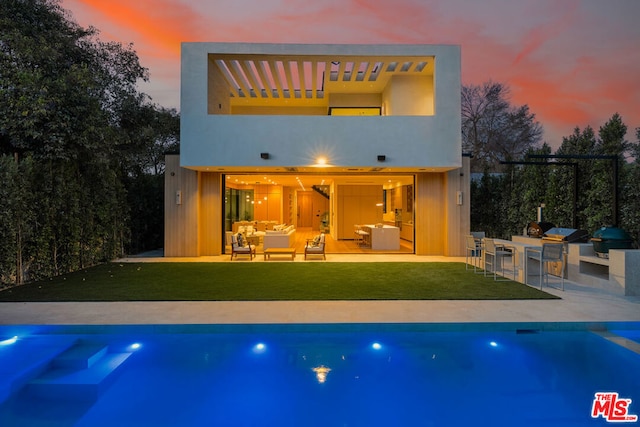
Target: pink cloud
[573,62]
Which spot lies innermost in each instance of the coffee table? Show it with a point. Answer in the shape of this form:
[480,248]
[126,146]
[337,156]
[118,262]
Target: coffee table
[279,251]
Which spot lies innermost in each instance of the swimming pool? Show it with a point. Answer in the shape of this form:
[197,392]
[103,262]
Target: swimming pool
[312,375]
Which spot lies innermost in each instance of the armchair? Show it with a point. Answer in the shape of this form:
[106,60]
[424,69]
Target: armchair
[238,247]
[315,246]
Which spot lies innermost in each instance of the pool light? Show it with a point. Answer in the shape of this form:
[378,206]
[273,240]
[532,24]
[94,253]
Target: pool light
[376,346]
[135,346]
[259,348]
[493,344]
[9,341]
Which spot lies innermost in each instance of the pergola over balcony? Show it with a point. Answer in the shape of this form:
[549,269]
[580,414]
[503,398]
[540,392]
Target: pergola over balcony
[260,80]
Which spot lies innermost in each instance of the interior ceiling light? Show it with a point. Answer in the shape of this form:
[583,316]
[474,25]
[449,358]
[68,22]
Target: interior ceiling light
[300,182]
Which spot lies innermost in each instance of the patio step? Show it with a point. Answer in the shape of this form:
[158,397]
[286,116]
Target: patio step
[81,373]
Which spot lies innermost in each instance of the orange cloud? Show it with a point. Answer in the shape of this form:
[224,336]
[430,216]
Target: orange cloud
[161,24]
[574,63]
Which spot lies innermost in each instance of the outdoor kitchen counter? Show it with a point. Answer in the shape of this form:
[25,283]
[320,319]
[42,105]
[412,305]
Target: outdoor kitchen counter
[619,274]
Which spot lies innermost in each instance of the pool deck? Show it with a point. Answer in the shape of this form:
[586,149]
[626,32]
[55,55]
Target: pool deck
[578,303]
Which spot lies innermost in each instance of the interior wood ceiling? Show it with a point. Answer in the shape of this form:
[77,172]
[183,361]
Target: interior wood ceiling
[301,180]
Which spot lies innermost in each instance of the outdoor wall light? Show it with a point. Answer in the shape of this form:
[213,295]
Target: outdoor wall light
[382,158]
[264,156]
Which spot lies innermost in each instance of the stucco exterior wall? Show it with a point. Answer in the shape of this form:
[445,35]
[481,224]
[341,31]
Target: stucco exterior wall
[418,132]
[425,140]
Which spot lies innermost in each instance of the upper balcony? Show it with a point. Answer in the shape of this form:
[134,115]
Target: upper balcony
[348,103]
[320,85]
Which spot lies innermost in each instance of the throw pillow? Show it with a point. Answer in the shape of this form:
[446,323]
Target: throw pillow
[316,240]
[240,239]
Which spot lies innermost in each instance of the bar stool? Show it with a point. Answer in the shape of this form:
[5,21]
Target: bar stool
[361,236]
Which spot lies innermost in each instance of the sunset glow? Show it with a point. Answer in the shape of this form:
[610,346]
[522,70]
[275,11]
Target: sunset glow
[575,62]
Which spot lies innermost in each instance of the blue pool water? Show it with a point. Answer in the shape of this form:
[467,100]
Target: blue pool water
[311,375]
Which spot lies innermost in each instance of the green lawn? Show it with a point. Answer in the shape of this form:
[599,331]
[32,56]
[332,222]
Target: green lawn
[270,281]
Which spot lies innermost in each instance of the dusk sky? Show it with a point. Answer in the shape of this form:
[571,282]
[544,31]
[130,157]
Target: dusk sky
[574,62]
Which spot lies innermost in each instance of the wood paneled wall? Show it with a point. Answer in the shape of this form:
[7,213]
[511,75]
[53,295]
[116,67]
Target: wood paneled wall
[192,227]
[210,214]
[458,215]
[180,216]
[440,221]
[357,205]
[430,214]
[269,209]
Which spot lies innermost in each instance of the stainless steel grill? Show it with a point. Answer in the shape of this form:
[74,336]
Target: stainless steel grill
[565,235]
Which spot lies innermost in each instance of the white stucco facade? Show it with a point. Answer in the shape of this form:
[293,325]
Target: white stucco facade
[409,132]
[378,125]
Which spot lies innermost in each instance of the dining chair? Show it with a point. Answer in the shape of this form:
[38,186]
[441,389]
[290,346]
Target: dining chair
[361,236]
[494,256]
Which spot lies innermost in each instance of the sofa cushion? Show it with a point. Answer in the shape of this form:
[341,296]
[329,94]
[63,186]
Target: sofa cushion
[279,239]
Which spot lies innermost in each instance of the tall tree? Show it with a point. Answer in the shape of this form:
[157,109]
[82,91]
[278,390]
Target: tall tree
[488,203]
[153,132]
[630,191]
[562,181]
[528,192]
[599,208]
[493,130]
[65,102]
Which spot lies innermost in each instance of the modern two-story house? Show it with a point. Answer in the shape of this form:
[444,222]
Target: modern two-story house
[321,137]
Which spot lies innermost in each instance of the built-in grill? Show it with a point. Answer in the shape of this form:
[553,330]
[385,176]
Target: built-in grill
[565,235]
[607,238]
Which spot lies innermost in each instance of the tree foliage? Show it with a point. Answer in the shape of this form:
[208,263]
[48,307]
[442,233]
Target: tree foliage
[493,130]
[76,137]
[507,202]
[630,189]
